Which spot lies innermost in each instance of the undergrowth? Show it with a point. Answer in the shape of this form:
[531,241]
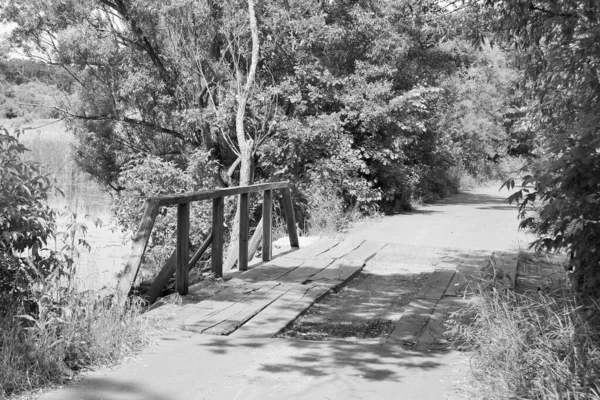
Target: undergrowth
[532,345]
[62,338]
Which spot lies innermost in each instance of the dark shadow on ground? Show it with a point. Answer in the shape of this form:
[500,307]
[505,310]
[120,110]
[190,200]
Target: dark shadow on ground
[108,389]
[366,309]
[472,198]
[417,212]
[502,208]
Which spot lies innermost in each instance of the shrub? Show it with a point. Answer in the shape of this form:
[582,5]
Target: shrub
[25,220]
[147,176]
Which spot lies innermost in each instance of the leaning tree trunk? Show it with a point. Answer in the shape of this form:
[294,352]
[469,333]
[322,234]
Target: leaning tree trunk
[246,145]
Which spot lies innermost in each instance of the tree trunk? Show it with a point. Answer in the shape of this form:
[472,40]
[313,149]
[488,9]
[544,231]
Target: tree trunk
[246,145]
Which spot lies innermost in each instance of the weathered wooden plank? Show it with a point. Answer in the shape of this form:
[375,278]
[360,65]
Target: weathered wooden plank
[162,278]
[255,240]
[305,271]
[365,251]
[337,273]
[314,250]
[164,200]
[129,272]
[290,219]
[436,285]
[168,270]
[432,336]
[243,234]
[200,252]
[412,323]
[232,304]
[270,271]
[217,241]
[182,248]
[238,314]
[342,248]
[267,226]
[282,311]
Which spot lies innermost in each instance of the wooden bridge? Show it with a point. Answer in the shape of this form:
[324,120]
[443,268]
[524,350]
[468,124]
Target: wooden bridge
[263,300]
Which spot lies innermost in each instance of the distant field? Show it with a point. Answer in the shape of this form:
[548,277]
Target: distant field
[50,145]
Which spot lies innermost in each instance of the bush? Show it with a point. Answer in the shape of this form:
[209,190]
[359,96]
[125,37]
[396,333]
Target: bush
[567,193]
[25,220]
[149,176]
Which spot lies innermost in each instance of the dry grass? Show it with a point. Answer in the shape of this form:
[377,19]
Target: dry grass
[534,345]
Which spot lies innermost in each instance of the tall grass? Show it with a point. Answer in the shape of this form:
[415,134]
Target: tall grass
[79,331]
[533,345]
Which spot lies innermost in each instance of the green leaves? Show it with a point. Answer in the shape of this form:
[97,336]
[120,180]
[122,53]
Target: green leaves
[25,219]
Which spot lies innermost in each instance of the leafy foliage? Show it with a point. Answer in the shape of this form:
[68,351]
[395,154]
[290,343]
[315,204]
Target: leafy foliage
[26,221]
[148,176]
[559,51]
[353,94]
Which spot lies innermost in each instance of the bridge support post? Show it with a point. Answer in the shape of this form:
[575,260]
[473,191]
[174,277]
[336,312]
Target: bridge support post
[183,253]
[289,217]
[243,235]
[217,239]
[267,246]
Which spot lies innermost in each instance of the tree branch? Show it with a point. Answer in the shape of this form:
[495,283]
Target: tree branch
[110,117]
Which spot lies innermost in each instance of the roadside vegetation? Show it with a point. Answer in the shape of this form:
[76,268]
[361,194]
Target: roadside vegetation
[537,341]
[48,329]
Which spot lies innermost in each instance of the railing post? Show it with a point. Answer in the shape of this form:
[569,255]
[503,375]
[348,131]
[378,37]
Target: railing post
[289,217]
[183,254]
[243,236]
[217,239]
[267,247]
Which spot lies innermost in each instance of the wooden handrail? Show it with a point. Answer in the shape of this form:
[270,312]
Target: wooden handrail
[181,256]
[166,200]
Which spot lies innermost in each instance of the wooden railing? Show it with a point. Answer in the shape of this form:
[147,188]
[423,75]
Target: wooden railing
[180,262]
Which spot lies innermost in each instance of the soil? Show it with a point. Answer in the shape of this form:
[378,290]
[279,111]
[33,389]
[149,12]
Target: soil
[365,311]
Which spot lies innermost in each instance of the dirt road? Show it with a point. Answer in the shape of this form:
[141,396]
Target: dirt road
[477,219]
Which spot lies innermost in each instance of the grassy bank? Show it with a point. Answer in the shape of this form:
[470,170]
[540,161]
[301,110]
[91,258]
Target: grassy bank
[532,343]
[79,332]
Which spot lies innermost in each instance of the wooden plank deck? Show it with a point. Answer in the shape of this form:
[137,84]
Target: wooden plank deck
[261,302]
[264,300]
[421,326]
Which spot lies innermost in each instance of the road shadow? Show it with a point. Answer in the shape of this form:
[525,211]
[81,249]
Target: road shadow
[500,208]
[106,389]
[473,198]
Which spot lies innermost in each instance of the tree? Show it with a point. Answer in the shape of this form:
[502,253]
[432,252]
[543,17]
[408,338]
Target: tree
[557,47]
[342,97]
